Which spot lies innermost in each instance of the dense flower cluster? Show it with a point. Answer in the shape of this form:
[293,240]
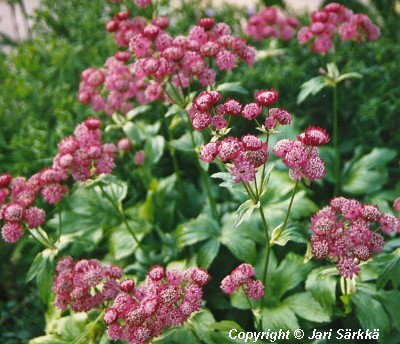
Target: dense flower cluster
[115,86]
[81,156]
[269,22]
[158,57]
[302,156]
[242,277]
[247,153]
[346,232]
[186,57]
[336,19]
[85,284]
[167,298]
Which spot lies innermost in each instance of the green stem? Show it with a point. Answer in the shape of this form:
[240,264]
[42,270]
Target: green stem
[290,206]
[336,168]
[59,231]
[124,220]
[204,177]
[176,166]
[267,246]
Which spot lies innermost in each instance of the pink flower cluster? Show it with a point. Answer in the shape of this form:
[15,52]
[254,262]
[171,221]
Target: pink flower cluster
[124,27]
[114,87]
[84,155]
[302,156]
[85,284]
[19,210]
[249,152]
[167,298]
[346,232]
[159,55]
[242,277]
[269,22]
[81,156]
[337,19]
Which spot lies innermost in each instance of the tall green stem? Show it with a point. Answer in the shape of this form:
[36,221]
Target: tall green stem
[124,220]
[290,206]
[206,182]
[176,166]
[336,168]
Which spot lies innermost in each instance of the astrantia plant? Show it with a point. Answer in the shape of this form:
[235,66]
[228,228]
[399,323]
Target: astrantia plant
[347,232]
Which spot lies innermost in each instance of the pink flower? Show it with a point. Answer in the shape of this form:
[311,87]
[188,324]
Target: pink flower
[242,277]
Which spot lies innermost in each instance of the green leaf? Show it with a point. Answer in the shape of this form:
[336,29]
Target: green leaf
[207,253]
[244,211]
[368,174]
[184,143]
[290,272]
[153,149]
[322,289]
[228,182]
[48,339]
[235,87]
[281,317]
[137,111]
[173,110]
[240,301]
[352,75]
[390,271]
[114,188]
[306,307]
[391,302]
[238,240]
[197,230]
[311,87]
[290,233]
[365,305]
[44,278]
[121,243]
[35,267]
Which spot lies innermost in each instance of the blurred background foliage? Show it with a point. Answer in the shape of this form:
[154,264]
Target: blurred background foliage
[38,107]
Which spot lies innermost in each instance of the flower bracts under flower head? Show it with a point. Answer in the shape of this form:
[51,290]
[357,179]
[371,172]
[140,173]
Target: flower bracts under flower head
[167,298]
[346,232]
[85,284]
[242,277]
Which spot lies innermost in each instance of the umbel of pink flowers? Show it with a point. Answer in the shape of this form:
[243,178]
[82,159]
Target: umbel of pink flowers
[243,156]
[346,232]
[155,57]
[81,157]
[166,298]
[336,20]
[269,22]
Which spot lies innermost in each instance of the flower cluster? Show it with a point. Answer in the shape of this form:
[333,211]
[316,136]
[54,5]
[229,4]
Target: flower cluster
[84,155]
[242,277]
[270,23]
[167,298]
[346,232]
[302,156]
[19,210]
[250,151]
[186,57]
[124,27]
[85,284]
[337,19]
[115,86]
[80,156]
